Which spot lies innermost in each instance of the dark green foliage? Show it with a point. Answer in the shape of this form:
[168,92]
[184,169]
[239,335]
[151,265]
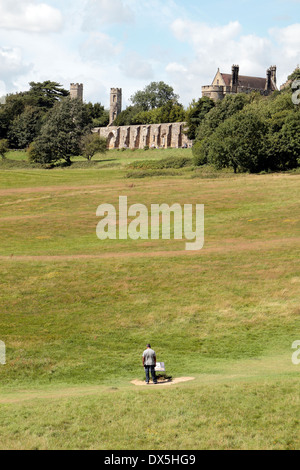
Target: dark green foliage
[134,115]
[250,133]
[60,136]
[92,144]
[127,117]
[283,148]
[223,110]
[45,95]
[3,148]
[22,114]
[25,127]
[155,95]
[238,143]
[200,151]
[171,162]
[195,115]
[14,106]
[170,112]
[295,75]
[98,114]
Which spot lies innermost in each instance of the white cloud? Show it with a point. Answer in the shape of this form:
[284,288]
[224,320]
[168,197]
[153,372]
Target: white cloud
[106,12]
[127,43]
[221,46]
[204,35]
[289,40]
[30,16]
[99,47]
[175,68]
[11,65]
[136,67]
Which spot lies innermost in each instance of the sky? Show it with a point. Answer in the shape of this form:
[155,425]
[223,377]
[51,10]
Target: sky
[129,43]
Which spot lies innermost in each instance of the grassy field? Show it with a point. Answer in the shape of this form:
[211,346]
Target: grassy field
[76,313]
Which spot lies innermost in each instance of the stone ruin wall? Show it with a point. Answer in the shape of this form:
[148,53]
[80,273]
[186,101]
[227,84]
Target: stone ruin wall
[141,136]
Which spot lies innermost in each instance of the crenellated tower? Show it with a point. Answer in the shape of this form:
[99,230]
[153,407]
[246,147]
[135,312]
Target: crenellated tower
[76,91]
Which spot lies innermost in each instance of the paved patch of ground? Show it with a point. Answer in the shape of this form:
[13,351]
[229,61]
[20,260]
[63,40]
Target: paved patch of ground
[178,380]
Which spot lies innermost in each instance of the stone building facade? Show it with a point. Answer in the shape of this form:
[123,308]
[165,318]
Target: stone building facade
[139,137]
[227,84]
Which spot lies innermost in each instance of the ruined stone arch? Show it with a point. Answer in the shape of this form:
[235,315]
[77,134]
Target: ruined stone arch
[111,141]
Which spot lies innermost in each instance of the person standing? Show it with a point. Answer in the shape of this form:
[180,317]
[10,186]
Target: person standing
[149,363]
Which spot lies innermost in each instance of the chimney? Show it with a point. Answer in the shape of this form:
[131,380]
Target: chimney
[269,80]
[273,69]
[235,75]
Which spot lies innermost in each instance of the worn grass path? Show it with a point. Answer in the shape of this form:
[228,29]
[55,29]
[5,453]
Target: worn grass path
[239,372]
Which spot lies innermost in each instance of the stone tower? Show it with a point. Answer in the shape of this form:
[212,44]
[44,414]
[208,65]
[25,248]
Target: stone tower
[115,104]
[76,91]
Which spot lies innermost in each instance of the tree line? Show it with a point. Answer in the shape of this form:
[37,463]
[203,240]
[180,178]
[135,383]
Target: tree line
[248,133]
[245,132]
[51,125]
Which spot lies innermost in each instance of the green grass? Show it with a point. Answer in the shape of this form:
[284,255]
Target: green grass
[76,313]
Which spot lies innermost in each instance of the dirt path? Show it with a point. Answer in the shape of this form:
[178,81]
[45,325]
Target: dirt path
[227,246]
[263,368]
[103,187]
[28,395]
[50,189]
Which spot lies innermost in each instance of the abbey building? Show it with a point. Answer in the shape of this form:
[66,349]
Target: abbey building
[227,84]
[172,135]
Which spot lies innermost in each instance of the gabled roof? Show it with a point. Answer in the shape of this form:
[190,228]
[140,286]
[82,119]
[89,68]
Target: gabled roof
[248,82]
[227,78]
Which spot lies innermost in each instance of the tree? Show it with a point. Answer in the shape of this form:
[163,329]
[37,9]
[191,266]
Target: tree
[196,113]
[13,107]
[283,147]
[170,112]
[238,143]
[155,95]
[224,109]
[60,136]
[98,114]
[45,94]
[127,117]
[39,99]
[295,75]
[4,148]
[92,144]
[25,127]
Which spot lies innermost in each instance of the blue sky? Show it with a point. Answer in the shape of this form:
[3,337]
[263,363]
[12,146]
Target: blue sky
[129,43]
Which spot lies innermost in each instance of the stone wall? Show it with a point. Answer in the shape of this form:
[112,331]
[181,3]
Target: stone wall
[152,135]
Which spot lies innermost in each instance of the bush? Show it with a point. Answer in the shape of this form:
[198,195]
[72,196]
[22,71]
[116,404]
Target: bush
[165,163]
[3,148]
[150,173]
[92,144]
[199,152]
